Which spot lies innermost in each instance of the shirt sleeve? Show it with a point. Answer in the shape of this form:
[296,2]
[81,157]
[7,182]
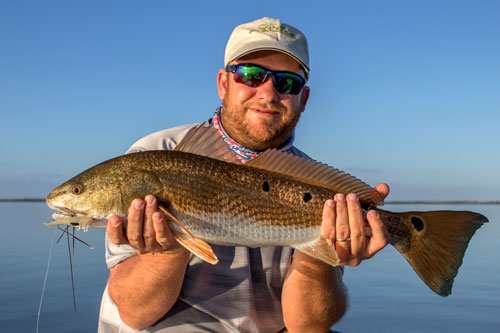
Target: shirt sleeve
[117,253]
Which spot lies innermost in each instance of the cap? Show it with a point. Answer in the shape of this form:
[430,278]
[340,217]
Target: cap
[267,34]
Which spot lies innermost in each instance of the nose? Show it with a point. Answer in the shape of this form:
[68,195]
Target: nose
[266,91]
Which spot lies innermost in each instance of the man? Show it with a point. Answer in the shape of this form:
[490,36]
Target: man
[156,285]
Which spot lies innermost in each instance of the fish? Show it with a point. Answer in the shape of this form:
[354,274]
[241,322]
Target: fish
[276,199]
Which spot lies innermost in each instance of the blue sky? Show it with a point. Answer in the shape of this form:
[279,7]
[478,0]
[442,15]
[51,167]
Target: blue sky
[405,92]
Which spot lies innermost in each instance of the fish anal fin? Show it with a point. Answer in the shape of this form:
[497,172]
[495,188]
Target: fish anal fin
[184,237]
[320,249]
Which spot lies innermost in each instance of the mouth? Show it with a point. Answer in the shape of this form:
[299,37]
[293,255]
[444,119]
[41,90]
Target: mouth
[66,216]
[62,212]
[267,113]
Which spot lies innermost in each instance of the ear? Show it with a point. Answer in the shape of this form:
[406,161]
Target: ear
[222,83]
[304,97]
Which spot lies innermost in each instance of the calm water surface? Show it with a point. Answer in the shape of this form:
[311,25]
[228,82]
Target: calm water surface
[385,294]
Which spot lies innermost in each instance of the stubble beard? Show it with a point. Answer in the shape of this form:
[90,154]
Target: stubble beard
[259,137]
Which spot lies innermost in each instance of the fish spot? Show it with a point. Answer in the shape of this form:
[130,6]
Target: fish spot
[75,224]
[307,197]
[265,186]
[418,224]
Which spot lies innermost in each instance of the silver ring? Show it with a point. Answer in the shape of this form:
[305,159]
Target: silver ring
[343,239]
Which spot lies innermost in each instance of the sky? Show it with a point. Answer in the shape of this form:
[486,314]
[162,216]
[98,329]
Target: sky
[402,92]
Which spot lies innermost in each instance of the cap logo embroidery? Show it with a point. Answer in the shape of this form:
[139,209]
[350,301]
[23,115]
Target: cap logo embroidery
[273,28]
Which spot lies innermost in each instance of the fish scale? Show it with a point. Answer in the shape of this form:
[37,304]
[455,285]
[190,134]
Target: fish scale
[203,198]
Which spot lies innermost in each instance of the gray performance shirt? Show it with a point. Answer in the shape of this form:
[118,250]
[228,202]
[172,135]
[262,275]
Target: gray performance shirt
[242,293]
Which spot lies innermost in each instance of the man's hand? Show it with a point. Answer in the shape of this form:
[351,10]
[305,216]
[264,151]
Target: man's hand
[147,230]
[344,224]
[134,283]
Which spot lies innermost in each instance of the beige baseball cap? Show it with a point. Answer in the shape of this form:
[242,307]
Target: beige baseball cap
[267,34]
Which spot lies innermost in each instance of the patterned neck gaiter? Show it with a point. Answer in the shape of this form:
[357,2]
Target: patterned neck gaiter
[243,154]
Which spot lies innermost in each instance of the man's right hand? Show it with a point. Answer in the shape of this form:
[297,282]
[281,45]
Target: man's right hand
[147,229]
[134,283]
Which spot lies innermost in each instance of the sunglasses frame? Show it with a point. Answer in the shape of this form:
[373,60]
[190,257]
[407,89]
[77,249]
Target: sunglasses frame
[233,69]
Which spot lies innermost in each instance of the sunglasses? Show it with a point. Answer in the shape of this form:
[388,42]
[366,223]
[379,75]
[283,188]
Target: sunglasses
[253,76]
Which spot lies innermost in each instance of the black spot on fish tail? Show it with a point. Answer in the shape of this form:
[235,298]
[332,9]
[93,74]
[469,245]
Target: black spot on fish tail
[307,197]
[265,186]
[418,224]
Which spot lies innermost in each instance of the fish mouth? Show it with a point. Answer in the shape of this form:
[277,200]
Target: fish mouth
[65,216]
[66,212]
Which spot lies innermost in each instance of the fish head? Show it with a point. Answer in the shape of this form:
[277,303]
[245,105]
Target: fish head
[104,190]
[86,194]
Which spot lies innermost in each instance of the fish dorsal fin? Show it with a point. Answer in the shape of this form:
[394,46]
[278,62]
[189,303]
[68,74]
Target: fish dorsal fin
[315,173]
[205,141]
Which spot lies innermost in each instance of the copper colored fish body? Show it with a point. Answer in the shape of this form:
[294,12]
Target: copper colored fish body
[276,199]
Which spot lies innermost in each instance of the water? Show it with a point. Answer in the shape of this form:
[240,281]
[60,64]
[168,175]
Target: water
[385,294]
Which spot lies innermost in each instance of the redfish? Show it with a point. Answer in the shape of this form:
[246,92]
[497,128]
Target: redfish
[276,199]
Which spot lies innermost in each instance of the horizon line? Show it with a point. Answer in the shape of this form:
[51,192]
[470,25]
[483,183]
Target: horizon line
[392,202]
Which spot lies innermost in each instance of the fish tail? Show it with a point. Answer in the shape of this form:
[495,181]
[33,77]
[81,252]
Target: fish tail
[434,242]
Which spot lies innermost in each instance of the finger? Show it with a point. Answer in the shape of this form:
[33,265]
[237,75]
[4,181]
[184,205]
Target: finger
[115,230]
[342,228]
[164,236]
[328,220]
[382,189]
[357,229]
[342,222]
[148,231]
[380,237]
[134,225]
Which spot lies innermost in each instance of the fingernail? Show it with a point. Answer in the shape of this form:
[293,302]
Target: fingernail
[157,216]
[149,200]
[330,203]
[115,221]
[373,214]
[340,196]
[138,204]
[352,197]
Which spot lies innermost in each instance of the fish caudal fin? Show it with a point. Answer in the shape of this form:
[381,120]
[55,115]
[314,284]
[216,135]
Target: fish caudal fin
[322,249]
[194,245]
[436,244]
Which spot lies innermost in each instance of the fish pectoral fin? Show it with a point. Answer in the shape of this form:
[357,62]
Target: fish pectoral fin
[320,249]
[197,247]
[194,245]
[174,219]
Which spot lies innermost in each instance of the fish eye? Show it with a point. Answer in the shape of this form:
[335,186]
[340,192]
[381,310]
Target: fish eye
[77,189]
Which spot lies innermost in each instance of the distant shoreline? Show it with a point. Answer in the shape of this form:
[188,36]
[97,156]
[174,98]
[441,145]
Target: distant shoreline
[444,202]
[23,200]
[405,202]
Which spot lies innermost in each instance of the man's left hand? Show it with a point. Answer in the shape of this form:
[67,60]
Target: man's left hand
[344,224]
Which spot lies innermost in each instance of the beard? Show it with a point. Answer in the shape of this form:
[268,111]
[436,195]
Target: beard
[261,133]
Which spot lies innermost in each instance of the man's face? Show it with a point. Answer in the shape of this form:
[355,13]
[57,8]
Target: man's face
[261,118]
